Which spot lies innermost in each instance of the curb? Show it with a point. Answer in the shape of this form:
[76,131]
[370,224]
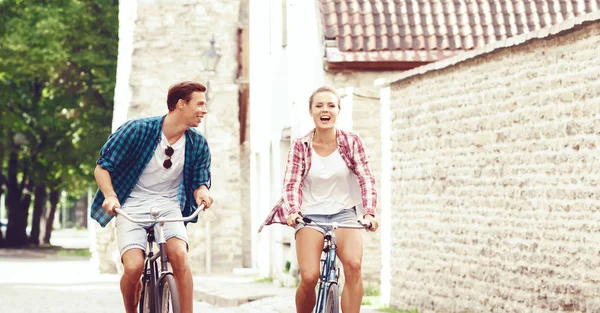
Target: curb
[219,299]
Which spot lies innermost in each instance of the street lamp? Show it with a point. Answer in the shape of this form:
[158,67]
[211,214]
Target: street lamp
[210,58]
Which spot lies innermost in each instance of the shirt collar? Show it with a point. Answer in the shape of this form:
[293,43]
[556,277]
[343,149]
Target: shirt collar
[308,138]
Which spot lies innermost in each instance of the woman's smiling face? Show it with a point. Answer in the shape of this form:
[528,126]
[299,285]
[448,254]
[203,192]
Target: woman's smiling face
[324,109]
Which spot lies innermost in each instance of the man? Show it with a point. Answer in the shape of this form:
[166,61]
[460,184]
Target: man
[161,162]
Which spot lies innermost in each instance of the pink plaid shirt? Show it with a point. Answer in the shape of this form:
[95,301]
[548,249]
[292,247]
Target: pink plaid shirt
[298,164]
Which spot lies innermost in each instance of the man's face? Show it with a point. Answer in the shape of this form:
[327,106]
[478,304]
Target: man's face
[195,109]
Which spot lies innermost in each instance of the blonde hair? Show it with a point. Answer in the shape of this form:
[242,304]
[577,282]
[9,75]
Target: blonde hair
[324,89]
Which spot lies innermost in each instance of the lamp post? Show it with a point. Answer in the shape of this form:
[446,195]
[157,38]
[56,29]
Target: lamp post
[210,59]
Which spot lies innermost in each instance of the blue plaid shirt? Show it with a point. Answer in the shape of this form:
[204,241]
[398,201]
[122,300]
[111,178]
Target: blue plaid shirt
[132,146]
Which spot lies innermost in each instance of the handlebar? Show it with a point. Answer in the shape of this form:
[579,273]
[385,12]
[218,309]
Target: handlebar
[156,219]
[307,221]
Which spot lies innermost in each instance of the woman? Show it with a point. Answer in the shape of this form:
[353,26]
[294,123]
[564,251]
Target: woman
[325,171]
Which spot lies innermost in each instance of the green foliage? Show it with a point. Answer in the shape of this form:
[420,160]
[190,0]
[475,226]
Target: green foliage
[264,280]
[74,253]
[57,76]
[371,290]
[391,309]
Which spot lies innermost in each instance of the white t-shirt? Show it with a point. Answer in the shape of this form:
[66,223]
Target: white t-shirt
[327,189]
[158,187]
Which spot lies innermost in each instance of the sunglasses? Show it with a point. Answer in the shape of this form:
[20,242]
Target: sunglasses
[169,152]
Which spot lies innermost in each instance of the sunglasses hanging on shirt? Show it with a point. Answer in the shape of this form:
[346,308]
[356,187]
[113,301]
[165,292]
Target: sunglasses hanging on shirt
[169,152]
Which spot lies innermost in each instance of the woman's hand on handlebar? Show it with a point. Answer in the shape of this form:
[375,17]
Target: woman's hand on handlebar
[292,219]
[370,219]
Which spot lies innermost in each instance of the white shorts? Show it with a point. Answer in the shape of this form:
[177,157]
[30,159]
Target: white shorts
[133,236]
[343,216]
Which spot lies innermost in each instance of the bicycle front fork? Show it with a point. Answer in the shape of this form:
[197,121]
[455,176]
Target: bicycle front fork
[330,274]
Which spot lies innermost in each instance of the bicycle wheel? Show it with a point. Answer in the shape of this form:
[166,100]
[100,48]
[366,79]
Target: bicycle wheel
[333,299]
[169,297]
[145,298]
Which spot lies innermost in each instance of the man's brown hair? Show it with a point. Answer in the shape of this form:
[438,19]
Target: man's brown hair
[324,89]
[183,91]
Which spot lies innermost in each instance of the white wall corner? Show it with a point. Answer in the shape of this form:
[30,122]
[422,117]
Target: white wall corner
[123,94]
[386,193]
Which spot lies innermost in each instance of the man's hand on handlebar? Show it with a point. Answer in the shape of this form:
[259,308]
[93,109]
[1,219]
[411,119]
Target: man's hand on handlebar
[111,202]
[201,195]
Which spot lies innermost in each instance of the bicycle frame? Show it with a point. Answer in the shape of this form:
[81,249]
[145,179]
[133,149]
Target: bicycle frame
[151,272]
[329,270]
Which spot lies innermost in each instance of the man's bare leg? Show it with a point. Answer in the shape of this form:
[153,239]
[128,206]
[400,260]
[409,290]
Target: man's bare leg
[178,257]
[133,265]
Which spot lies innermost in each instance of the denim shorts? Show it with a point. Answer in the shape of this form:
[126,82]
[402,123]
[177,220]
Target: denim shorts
[343,216]
[133,236]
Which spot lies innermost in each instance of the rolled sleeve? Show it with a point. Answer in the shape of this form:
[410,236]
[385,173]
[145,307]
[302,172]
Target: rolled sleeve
[365,177]
[117,146]
[292,180]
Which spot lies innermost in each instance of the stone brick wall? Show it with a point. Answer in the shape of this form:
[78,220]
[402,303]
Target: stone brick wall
[245,203]
[168,42]
[245,163]
[495,171]
[366,122]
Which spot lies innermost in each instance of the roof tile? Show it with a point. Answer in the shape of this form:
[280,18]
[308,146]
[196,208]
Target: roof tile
[327,7]
[426,30]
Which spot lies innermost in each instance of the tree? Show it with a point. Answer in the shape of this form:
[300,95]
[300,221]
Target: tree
[57,76]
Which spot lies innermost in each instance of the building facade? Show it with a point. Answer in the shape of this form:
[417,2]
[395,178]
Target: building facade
[161,43]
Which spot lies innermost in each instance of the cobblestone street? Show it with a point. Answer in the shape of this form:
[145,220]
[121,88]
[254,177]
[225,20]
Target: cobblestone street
[41,285]
[96,297]
[31,283]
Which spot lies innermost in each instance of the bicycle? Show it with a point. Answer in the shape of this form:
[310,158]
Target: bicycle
[159,291]
[328,300]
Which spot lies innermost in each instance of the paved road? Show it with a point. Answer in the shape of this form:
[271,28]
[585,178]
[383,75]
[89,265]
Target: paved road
[31,283]
[39,285]
[58,286]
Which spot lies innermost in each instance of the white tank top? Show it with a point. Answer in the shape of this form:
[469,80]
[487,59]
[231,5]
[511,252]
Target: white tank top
[327,187]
